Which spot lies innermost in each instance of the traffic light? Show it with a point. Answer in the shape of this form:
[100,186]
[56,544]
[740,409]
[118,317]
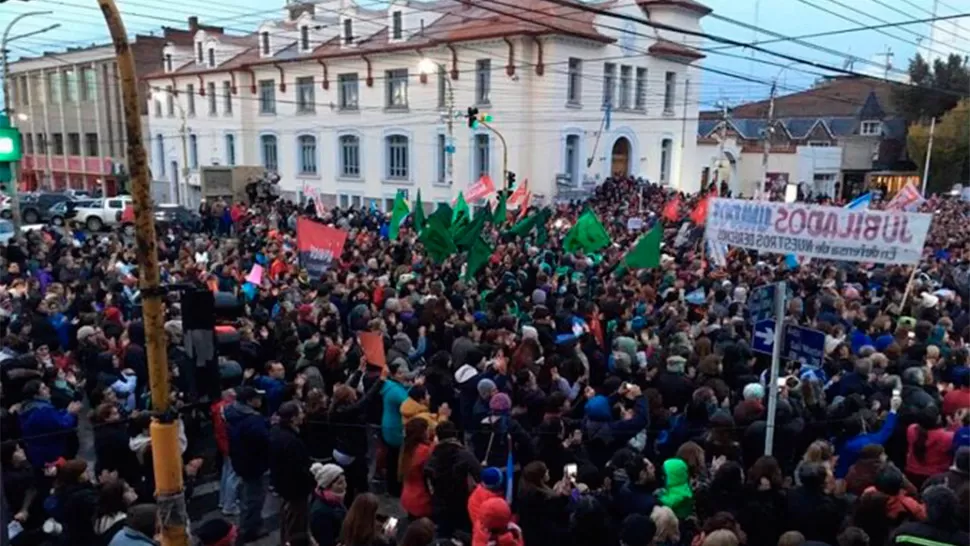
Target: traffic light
[510,180]
[9,152]
[474,117]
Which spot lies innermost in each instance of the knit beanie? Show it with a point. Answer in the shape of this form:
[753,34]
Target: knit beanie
[325,474]
[486,387]
[754,391]
[500,402]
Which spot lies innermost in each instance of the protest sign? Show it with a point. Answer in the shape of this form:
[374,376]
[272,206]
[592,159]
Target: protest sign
[827,233]
[318,245]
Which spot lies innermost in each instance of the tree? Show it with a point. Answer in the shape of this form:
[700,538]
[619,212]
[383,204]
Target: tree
[934,90]
[951,144]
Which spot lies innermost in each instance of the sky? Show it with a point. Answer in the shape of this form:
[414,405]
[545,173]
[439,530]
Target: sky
[82,23]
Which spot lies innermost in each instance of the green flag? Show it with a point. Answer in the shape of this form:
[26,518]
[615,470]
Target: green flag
[587,235]
[501,210]
[525,225]
[461,216]
[465,235]
[398,215]
[419,218]
[437,240]
[646,253]
[478,256]
[442,215]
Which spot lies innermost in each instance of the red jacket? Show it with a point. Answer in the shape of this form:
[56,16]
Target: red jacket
[475,501]
[938,457]
[415,497]
[956,400]
[219,426]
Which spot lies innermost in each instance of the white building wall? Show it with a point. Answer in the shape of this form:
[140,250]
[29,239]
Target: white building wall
[818,167]
[530,110]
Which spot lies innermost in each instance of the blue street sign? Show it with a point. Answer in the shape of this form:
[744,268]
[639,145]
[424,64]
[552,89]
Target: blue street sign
[799,343]
[761,302]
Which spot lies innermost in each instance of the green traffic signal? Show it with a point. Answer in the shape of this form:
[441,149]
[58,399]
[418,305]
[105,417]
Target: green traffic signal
[9,141]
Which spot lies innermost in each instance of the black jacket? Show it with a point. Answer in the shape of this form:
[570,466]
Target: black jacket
[326,519]
[447,470]
[926,533]
[77,504]
[348,423]
[289,464]
[543,517]
[113,454]
[816,515]
[675,388]
[248,440]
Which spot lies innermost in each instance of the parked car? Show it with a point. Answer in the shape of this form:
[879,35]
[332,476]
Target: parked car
[98,213]
[35,207]
[64,211]
[172,214]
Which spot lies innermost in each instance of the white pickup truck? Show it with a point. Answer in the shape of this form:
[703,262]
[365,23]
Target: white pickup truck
[95,214]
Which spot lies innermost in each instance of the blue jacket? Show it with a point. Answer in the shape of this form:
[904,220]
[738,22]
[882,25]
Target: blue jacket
[392,427]
[130,537]
[849,451]
[248,440]
[40,418]
[274,391]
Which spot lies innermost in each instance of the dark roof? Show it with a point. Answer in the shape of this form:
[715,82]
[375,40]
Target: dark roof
[667,48]
[692,5]
[835,97]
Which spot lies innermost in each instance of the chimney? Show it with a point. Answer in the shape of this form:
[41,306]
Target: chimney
[296,9]
[193,23]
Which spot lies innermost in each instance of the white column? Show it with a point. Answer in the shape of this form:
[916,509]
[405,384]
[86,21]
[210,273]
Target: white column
[64,140]
[81,93]
[47,130]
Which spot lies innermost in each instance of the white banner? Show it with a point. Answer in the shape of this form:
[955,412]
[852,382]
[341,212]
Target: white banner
[828,233]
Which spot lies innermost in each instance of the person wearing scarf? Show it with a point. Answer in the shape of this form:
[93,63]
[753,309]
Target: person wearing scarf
[327,511]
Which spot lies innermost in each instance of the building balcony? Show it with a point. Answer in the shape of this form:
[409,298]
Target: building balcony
[68,164]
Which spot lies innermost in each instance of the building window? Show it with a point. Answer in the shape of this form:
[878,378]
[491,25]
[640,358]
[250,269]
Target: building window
[58,144]
[442,150]
[305,38]
[213,99]
[574,87]
[397,88]
[571,159]
[397,25]
[308,154]
[349,156]
[397,157]
[160,145]
[212,57]
[670,91]
[227,97]
[270,152]
[304,95]
[41,143]
[870,128]
[230,150]
[25,91]
[666,158]
[169,100]
[640,94]
[91,144]
[53,88]
[819,144]
[190,99]
[347,91]
[158,106]
[348,31]
[28,143]
[626,75]
[70,85]
[483,80]
[482,160]
[609,83]
[442,85]
[198,52]
[168,62]
[193,152]
[267,97]
[74,144]
[89,84]
[264,42]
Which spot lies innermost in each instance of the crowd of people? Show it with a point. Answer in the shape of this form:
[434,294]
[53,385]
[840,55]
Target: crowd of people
[551,398]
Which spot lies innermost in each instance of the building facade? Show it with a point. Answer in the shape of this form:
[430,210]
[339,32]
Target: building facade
[830,139]
[359,103]
[68,107]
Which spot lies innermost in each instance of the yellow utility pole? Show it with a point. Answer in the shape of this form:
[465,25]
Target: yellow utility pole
[169,493]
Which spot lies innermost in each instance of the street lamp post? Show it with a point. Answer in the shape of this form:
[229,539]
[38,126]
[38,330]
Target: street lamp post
[15,197]
[429,66]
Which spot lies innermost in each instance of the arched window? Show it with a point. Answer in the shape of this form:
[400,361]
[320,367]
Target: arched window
[307,146]
[270,152]
[193,152]
[350,156]
[230,150]
[397,157]
[571,159]
[160,147]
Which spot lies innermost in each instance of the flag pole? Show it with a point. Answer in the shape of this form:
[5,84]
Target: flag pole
[929,154]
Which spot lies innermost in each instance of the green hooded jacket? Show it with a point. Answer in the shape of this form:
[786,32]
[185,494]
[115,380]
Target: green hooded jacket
[677,494]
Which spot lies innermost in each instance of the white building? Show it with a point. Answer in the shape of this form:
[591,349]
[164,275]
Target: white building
[332,97]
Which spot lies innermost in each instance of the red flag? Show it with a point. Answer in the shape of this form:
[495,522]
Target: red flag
[373,346]
[671,211]
[699,214]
